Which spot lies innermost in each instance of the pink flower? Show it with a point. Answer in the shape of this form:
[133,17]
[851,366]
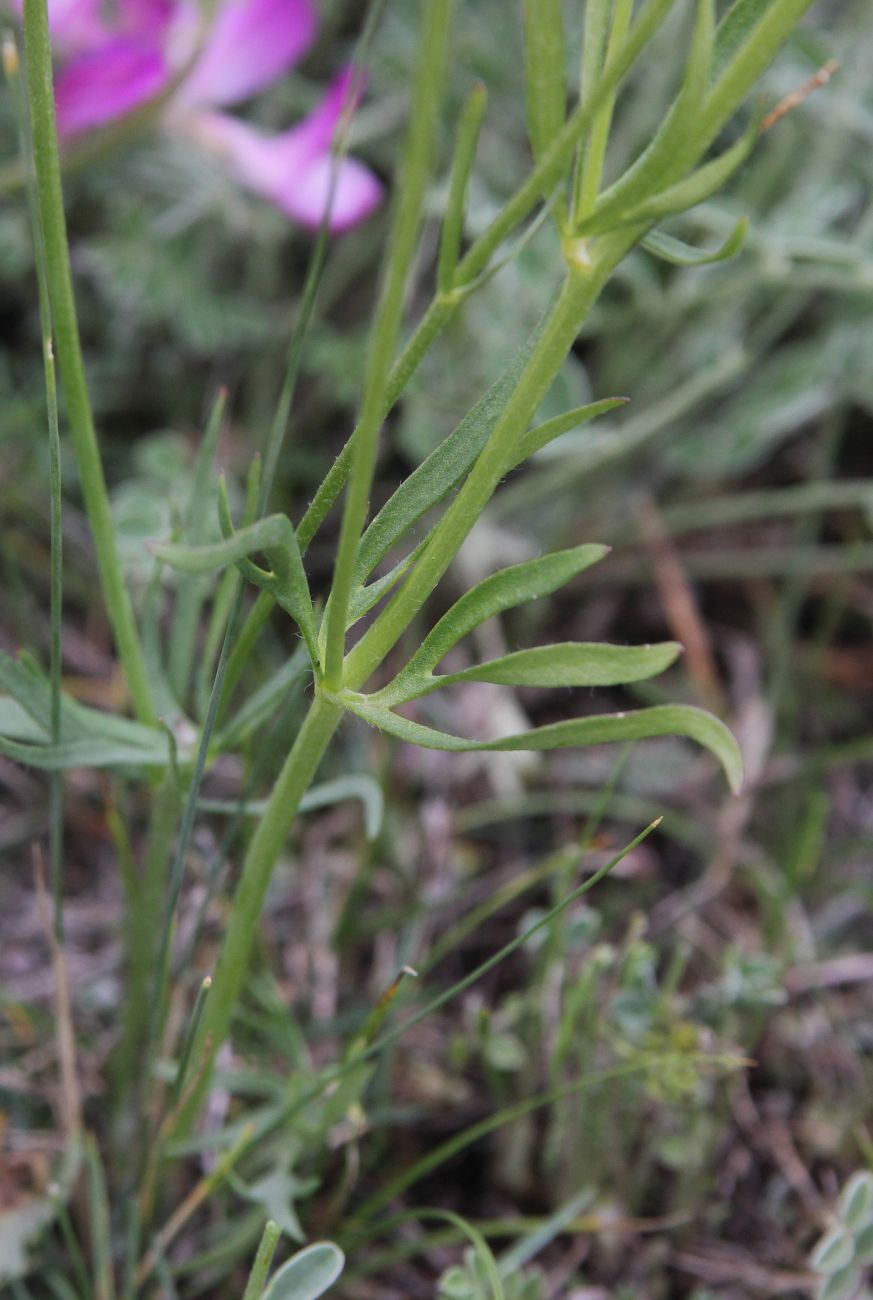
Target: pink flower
[114,58]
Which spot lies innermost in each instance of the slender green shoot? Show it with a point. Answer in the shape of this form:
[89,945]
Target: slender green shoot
[65,329]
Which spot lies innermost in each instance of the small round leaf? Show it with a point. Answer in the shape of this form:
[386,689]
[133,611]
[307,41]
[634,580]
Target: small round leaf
[855,1206]
[834,1252]
[308,1274]
[839,1286]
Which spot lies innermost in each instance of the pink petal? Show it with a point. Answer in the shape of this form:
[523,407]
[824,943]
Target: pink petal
[290,172]
[79,25]
[356,194]
[250,44]
[107,82]
[75,24]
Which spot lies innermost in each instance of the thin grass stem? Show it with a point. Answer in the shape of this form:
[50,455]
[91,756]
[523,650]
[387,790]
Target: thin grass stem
[65,329]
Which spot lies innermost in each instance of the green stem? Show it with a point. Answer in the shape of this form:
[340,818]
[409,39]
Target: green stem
[293,781]
[437,316]
[750,61]
[580,289]
[56,581]
[552,166]
[595,148]
[469,273]
[266,1250]
[414,176]
[69,352]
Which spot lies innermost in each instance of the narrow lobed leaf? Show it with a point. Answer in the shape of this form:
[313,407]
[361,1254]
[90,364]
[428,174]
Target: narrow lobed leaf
[572,664]
[542,434]
[566,664]
[678,253]
[642,724]
[544,63]
[442,470]
[501,591]
[274,536]
[462,165]
[697,187]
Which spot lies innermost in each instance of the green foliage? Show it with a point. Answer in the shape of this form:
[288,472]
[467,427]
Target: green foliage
[296,1126]
[308,1274]
[843,1256]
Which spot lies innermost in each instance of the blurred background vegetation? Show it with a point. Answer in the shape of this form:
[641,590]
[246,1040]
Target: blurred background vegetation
[736,490]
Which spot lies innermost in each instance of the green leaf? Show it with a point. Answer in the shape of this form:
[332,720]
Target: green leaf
[87,752]
[17,724]
[735,29]
[855,1206]
[308,1274]
[694,189]
[839,1286]
[274,536]
[89,736]
[747,40]
[324,795]
[364,598]
[499,592]
[672,150]
[643,724]
[277,1193]
[566,664]
[540,436]
[462,165]
[678,253]
[544,61]
[834,1252]
[442,470]
[864,1245]
[28,690]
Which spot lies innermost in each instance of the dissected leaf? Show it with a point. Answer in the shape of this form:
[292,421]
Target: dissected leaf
[603,729]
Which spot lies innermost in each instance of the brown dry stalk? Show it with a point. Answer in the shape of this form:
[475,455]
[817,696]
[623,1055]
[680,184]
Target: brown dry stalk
[796,97]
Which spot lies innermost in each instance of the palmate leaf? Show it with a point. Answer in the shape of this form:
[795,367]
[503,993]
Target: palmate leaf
[566,664]
[603,729]
[501,591]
